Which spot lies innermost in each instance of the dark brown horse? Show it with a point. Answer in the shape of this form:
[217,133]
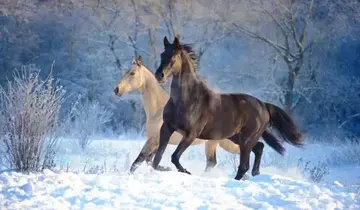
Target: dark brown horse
[195,111]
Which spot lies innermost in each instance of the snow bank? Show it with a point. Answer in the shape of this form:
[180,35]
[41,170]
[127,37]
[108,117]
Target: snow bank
[281,185]
[156,190]
[117,155]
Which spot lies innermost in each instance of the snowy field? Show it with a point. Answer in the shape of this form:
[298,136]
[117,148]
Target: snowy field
[98,179]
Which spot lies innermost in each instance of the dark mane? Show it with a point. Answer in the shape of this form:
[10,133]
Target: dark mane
[194,60]
[192,54]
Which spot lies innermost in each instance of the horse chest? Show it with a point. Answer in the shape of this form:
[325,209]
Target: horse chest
[177,115]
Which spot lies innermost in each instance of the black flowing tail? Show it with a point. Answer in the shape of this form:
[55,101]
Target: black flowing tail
[273,142]
[285,126]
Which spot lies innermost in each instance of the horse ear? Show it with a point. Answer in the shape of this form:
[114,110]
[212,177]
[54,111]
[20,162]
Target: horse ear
[139,60]
[133,61]
[177,43]
[166,42]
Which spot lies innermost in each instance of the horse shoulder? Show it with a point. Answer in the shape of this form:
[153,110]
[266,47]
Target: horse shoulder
[169,110]
[214,100]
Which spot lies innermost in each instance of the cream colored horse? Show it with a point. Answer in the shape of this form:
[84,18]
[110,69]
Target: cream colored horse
[154,98]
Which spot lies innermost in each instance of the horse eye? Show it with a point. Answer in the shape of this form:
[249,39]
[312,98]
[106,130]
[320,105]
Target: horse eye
[132,73]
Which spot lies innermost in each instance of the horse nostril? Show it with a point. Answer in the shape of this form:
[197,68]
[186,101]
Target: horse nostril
[160,75]
[116,91]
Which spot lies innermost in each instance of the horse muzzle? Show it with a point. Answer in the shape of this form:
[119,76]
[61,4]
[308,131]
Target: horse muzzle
[117,92]
[160,77]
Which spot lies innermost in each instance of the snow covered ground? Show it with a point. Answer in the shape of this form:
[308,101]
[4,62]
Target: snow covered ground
[98,179]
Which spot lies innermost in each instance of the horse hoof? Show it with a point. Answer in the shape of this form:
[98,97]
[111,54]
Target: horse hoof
[185,171]
[244,177]
[255,173]
[162,168]
[132,170]
[208,169]
[166,169]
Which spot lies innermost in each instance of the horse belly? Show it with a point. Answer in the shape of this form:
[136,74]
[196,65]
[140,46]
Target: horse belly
[220,127]
[215,134]
[153,131]
[176,138]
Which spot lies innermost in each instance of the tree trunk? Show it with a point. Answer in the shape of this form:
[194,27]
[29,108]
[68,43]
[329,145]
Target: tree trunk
[289,94]
[111,44]
[153,48]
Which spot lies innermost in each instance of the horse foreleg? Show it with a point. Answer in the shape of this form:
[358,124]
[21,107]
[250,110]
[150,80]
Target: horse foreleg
[149,161]
[244,163]
[185,142]
[245,150]
[257,150]
[145,153]
[150,157]
[165,133]
[152,150]
[210,152]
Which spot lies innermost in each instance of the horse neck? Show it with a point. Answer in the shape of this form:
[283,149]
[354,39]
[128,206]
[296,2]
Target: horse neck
[184,83]
[153,95]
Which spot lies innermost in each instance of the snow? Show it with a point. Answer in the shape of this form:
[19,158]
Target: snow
[154,190]
[280,185]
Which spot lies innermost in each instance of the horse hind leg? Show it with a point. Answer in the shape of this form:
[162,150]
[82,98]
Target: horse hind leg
[244,156]
[229,146]
[258,151]
[246,146]
[210,152]
[244,164]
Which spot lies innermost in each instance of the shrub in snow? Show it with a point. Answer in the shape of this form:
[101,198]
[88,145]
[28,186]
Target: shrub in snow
[29,120]
[314,172]
[234,161]
[350,154]
[89,118]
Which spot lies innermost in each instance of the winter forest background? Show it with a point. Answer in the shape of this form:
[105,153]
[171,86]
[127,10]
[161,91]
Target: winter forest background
[60,61]
[302,55]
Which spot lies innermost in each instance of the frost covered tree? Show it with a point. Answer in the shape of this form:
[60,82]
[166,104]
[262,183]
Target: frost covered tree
[88,120]
[29,120]
[290,21]
[291,29]
[291,52]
